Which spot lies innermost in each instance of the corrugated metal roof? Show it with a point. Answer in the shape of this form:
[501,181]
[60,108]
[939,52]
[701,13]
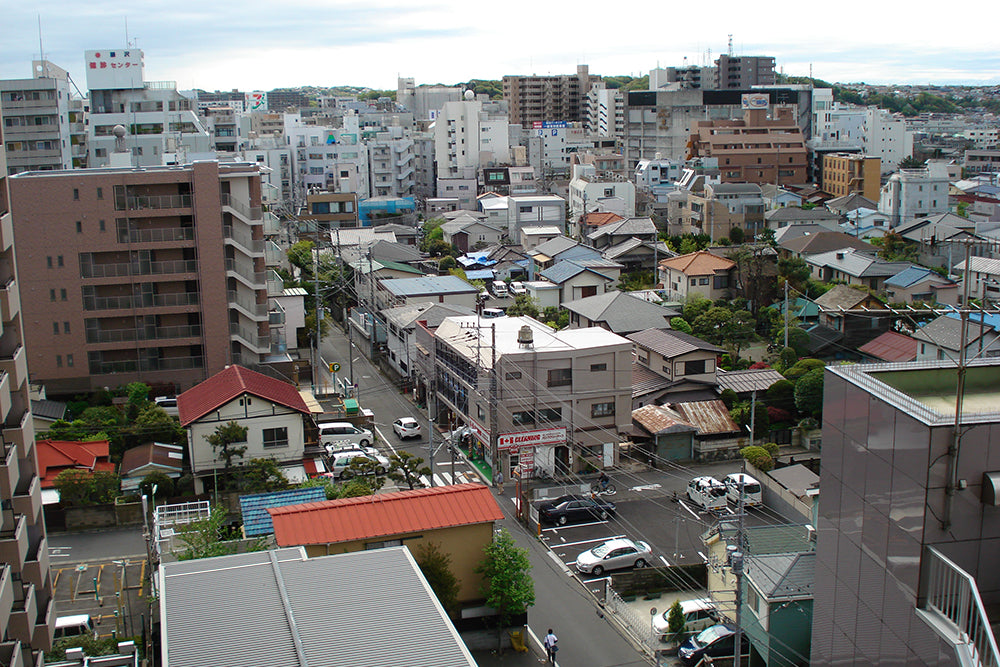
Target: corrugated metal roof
[46,409]
[398,513]
[226,385]
[657,420]
[745,382]
[284,610]
[256,520]
[427,285]
[710,417]
[891,346]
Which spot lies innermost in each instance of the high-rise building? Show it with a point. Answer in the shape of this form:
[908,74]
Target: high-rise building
[27,616]
[605,111]
[154,274]
[425,101]
[470,135]
[37,123]
[885,135]
[536,99]
[742,72]
[847,173]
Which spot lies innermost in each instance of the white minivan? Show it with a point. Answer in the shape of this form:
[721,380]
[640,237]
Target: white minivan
[752,496]
[343,435]
[71,626]
[698,615]
[707,492]
[499,289]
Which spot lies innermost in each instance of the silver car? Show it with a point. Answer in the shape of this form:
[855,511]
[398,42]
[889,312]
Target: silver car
[614,555]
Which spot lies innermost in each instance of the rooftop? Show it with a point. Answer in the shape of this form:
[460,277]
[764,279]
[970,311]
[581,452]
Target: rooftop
[622,312]
[425,285]
[670,343]
[701,263]
[230,383]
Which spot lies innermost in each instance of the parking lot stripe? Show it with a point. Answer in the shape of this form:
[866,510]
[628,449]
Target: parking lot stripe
[690,511]
[665,561]
[596,539]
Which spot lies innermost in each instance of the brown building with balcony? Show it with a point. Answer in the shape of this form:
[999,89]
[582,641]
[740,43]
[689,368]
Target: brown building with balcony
[533,99]
[756,149]
[847,173]
[27,617]
[154,274]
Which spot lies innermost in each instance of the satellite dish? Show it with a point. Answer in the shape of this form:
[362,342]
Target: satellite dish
[470,95]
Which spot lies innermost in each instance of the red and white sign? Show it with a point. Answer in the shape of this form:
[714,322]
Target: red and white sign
[526,461]
[114,69]
[481,433]
[552,436]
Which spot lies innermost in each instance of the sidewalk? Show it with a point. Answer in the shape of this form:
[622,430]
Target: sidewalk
[510,658]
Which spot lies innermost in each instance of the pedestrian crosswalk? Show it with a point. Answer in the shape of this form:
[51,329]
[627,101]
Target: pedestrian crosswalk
[446,478]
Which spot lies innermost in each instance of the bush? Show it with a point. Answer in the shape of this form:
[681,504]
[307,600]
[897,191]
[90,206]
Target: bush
[728,397]
[777,415]
[771,448]
[758,458]
[164,485]
[788,357]
[680,324]
[781,395]
[809,393]
[802,367]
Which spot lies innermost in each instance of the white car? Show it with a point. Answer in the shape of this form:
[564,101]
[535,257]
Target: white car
[698,615]
[517,287]
[341,461]
[614,555]
[406,427]
[169,405]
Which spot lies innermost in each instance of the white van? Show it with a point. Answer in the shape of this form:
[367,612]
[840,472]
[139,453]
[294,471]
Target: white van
[71,626]
[499,289]
[707,492]
[343,435]
[698,615]
[752,495]
[169,405]
[341,461]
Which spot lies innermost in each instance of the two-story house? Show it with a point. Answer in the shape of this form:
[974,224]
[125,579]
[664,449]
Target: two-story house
[698,273]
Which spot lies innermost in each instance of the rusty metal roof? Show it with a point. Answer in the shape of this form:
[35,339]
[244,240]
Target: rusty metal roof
[709,417]
[658,420]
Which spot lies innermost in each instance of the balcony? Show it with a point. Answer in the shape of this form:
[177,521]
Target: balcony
[16,364]
[21,625]
[10,300]
[5,398]
[272,225]
[36,565]
[168,234]
[19,431]
[256,342]
[123,269]
[146,301]
[28,498]
[251,214]
[147,365]
[143,333]
[6,227]
[14,543]
[6,595]
[275,285]
[45,624]
[151,202]
[11,654]
[244,271]
[10,470]
[273,255]
[247,304]
[241,238]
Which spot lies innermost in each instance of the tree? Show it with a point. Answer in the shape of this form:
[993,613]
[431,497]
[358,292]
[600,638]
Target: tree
[680,324]
[556,318]
[736,235]
[205,538]
[910,162]
[300,255]
[809,393]
[801,367]
[80,487]
[795,271]
[781,394]
[728,398]
[263,476]
[405,468]
[524,305]
[694,307]
[447,262]
[758,458]
[506,584]
[224,440]
[368,469]
[676,627]
[163,483]
[435,565]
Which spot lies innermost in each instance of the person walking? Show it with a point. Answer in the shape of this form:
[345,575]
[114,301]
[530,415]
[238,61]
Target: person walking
[499,480]
[551,646]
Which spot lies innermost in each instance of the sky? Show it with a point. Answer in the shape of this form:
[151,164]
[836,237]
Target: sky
[258,45]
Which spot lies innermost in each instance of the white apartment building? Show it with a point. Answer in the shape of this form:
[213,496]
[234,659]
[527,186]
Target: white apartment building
[605,111]
[650,173]
[590,192]
[276,181]
[425,102]
[915,193]
[38,130]
[468,134]
[985,138]
[552,145]
[330,159]
[158,120]
[391,163]
[885,136]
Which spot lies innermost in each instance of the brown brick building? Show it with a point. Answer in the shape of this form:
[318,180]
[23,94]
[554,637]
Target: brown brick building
[154,274]
[846,173]
[548,98]
[755,149]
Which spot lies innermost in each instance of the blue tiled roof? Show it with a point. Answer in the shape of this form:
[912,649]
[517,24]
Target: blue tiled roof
[482,274]
[910,276]
[256,520]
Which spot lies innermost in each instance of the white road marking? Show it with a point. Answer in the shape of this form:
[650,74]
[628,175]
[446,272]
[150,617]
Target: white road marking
[576,525]
[596,539]
[702,556]
[690,511]
[645,487]
[665,561]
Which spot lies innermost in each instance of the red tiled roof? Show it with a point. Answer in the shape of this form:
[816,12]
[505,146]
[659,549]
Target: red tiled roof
[701,263]
[599,219]
[234,381]
[398,513]
[54,456]
[891,346]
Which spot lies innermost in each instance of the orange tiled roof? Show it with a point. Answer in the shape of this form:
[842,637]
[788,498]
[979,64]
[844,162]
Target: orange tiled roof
[54,456]
[701,263]
[599,219]
[398,513]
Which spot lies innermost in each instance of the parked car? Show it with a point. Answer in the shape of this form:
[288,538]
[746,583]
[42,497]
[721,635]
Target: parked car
[490,313]
[698,615]
[566,509]
[715,641]
[341,461]
[168,403]
[707,492]
[406,427]
[499,289]
[752,496]
[72,626]
[344,435]
[517,287]
[614,555]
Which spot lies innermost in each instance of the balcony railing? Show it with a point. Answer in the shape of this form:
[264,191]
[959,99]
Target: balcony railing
[142,202]
[151,333]
[249,213]
[120,269]
[156,235]
[243,238]
[248,304]
[246,271]
[146,365]
[272,225]
[148,301]
[253,340]
[952,607]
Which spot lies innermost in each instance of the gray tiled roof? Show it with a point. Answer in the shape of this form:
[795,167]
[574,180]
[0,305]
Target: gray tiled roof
[622,312]
[788,213]
[783,576]
[563,270]
[670,343]
[427,285]
[626,227]
[857,264]
[946,332]
[48,409]
[745,382]
[554,246]
[284,610]
[432,311]
[825,241]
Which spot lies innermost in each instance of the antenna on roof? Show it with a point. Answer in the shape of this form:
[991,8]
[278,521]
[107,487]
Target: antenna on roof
[730,45]
[41,49]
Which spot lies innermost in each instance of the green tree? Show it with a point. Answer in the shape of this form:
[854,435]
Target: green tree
[795,271]
[506,583]
[694,307]
[809,393]
[680,324]
[368,469]
[78,487]
[447,263]
[524,305]
[300,255]
[781,394]
[676,627]
[758,457]
[910,162]
[206,538]
[435,565]
[728,398]
[263,476]
[405,468]
[736,235]
[163,483]
[225,441]
[556,318]
[798,340]
[801,367]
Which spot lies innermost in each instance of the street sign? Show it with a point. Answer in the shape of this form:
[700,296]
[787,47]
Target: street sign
[334,367]
[552,436]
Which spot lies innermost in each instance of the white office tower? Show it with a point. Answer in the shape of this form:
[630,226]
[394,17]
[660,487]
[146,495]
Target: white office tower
[885,136]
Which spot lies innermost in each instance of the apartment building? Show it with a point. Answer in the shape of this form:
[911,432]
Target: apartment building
[160,122]
[716,209]
[591,189]
[391,163]
[27,616]
[470,135]
[276,181]
[906,538]
[689,77]
[223,124]
[743,72]
[39,132]
[331,210]
[756,149]
[328,159]
[982,161]
[152,274]
[914,193]
[605,111]
[562,398]
[848,173]
[535,99]
[424,101]
[885,136]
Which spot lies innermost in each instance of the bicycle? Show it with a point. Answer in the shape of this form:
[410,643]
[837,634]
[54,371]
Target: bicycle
[608,490]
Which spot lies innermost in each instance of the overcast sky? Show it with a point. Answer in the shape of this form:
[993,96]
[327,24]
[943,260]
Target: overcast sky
[258,45]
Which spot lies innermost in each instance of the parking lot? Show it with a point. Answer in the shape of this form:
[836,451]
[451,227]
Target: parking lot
[112,592]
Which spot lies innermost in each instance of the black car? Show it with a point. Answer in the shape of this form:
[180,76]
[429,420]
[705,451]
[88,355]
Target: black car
[715,641]
[565,509]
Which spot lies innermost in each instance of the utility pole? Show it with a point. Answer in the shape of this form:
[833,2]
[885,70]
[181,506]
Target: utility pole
[430,438]
[371,305]
[319,320]
[737,562]
[786,312]
[494,454]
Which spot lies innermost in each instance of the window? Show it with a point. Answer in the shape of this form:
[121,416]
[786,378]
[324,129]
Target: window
[703,281]
[100,193]
[480,412]
[48,261]
[550,414]
[603,409]
[696,367]
[100,225]
[55,328]
[59,261]
[69,360]
[79,227]
[694,281]
[381,545]
[76,193]
[527,417]
[58,361]
[275,437]
[62,294]
[560,377]
[65,327]
[598,367]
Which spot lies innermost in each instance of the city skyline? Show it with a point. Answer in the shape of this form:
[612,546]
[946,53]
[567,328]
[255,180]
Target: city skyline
[319,44]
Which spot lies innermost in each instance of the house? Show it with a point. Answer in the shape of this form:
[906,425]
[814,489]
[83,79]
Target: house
[800,308]
[368,273]
[546,294]
[297,610]
[745,383]
[637,255]
[863,223]
[718,436]
[468,234]
[401,322]
[532,237]
[44,413]
[405,234]
[591,221]
[853,266]
[676,355]
[576,281]
[274,413]
[254,506]
[698,273]
[509,261]
[151,457]
[851,202]
[855,328]
[820,242]
[546,254]
[616,232]
[804,229]
[55,456]
[942,239]
[672,437]
[619,312]
[891,346]
[940,338]
[917,284]
[460,518]
[796,215]
[983,275]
